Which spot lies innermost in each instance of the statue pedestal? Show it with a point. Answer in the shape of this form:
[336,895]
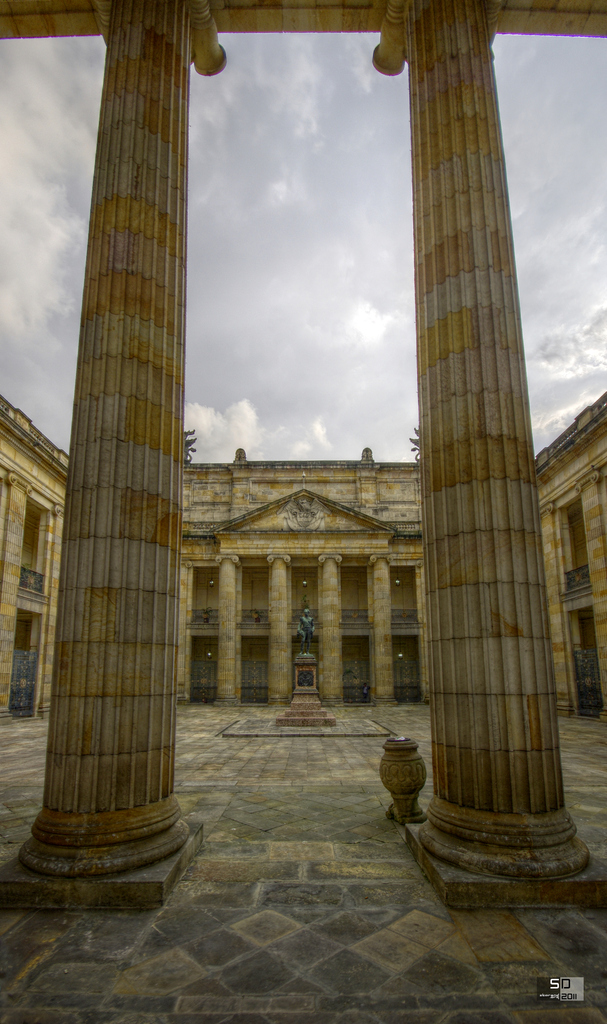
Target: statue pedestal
[305,706]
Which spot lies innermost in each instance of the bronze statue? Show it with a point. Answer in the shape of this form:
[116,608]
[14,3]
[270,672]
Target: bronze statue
[305,631]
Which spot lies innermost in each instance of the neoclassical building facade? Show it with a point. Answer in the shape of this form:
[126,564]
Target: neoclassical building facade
[261,540]
[572,490]
[33,474]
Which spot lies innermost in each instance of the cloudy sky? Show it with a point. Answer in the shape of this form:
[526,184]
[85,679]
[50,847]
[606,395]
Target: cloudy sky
[300,307]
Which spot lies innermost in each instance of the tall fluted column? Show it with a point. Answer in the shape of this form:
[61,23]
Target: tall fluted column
[186,603]
[553,561]
[108,798]
[52,554]
[279,682]
[383,669]
[420,600]
[498,799]
[14,521]
[226,654]
[332,682]
[590,489]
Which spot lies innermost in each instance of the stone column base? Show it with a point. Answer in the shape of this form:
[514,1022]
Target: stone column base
[497,843]
[140,889]
[381,699]
[460,888]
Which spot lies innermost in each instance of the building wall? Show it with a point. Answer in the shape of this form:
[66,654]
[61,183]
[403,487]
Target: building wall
[360,573]
[572,491]
[32,492]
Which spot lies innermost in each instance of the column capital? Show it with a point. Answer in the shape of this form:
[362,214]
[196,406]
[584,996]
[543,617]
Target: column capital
[547,510]
[58,511]
[232,558]
[286,558]
[188,564]
[376,558]
[16,481]
[323,558]
[587,480]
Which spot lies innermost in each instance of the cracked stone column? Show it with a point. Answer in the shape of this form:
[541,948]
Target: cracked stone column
[226,654]
[383,669]
[590,490]
[14,520]
[332,683]
[108,797]
[498,802]
[279,681]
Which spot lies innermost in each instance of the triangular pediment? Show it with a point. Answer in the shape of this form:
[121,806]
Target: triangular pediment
[304,511]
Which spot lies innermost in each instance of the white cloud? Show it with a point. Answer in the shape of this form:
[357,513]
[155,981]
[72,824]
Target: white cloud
[220,434]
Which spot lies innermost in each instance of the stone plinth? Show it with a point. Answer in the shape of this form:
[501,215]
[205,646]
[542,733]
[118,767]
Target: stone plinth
[305,708]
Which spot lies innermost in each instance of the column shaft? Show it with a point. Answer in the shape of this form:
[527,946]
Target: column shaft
[420,599]
[382,631]
[497,769]
[9,582]
[332,671]
[279,682]
[186,596]
[226,656]
[108,798]
[596,543]
[52,553]
[553,560]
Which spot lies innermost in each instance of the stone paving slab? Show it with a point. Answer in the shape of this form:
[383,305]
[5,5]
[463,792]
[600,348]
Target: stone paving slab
[303,905]
[343,727]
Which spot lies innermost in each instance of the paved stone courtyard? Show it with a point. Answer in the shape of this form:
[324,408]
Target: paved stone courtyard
[304,904]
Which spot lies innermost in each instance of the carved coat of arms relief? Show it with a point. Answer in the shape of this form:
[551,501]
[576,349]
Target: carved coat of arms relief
[303,514]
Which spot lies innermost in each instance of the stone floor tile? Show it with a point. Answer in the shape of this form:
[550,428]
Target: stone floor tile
[301,851]
[179,924]
[301,895]
[496,935]
[390,949]
[560,1015]
[347,972]
[26,1015]
[265,927]
[457,947]
[424,928]
[305,948]
[214,894]
[159,975]
[485,1017]
[8,918]
[69,977]
[345,928]
[233,851]
[439,974]
[259,973]
[218,948]
[353,869]
[243,870]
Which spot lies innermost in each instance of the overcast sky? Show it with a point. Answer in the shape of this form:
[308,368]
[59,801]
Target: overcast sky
[300,326]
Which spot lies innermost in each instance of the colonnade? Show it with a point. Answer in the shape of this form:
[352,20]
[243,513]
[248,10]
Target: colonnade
[15,493]
[329,626]
[108,803]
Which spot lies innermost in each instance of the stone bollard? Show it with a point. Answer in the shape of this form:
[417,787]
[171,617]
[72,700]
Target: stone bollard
[403,773]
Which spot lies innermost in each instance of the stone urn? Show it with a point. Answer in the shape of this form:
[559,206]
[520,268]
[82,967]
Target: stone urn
[403,773]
